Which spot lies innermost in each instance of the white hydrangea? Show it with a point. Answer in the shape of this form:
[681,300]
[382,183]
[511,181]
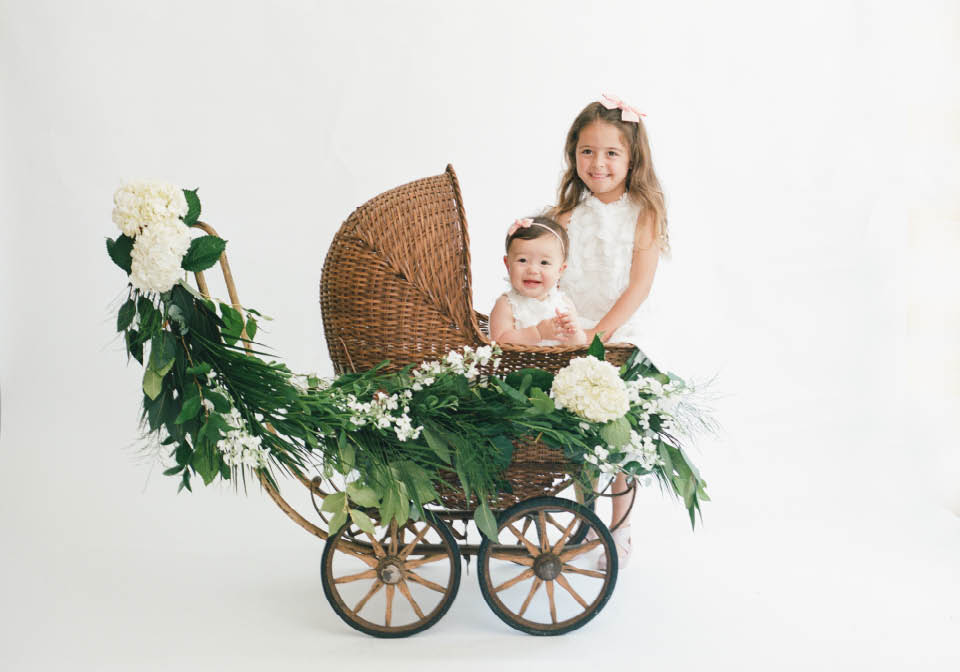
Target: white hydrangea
[139,203]
[592,389]
[157,254]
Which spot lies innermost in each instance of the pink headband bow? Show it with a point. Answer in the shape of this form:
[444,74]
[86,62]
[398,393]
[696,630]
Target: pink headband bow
[526,223]
[627,113]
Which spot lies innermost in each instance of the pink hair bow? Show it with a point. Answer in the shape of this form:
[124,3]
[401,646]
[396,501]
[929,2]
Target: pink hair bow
[627,113]
[526,223]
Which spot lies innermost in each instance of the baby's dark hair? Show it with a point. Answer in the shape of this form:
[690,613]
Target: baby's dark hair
[540,226]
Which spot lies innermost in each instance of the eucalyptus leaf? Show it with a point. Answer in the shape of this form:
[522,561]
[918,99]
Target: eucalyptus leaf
[337,521]
[363,495]
[362,520]
[152,383]
[191,406]
[335,502]
[486,522]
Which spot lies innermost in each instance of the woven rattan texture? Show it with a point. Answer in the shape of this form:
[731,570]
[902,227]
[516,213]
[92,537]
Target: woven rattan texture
[396,285]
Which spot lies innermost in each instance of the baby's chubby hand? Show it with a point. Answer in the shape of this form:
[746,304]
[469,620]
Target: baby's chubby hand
[566,322]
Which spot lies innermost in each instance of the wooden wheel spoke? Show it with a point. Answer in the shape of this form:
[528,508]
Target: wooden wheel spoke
[417,539]
[393,537]
[534,551]
[578,550]
[391,589]
[585,572]
[526,525]
[542,531]
[522,576]
[533,590]
[562,580]
[405,589]
[377,548]
[413,576]
[558,547]
[369,574]
[370,560]
[412,564]
[378,584]
[553,605]
[513,557]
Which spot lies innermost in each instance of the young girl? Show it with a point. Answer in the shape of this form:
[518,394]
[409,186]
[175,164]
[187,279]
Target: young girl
[611,204]
[534,311]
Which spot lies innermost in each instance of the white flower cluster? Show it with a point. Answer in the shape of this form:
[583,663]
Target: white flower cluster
[379,413]
[239,446]
[157,254]
[149,212]
[641,449]
[592,389]
[139,203]
[656,398]
[466,363]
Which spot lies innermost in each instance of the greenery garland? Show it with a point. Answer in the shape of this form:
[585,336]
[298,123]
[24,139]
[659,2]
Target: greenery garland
[224,412]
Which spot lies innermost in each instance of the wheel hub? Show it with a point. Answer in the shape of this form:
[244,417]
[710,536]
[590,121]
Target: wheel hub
[547,566]
[390,571]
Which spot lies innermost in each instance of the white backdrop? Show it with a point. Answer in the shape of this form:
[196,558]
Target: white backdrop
[809,152]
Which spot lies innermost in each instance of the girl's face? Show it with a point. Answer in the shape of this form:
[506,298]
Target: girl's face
[535,265]
[602,160]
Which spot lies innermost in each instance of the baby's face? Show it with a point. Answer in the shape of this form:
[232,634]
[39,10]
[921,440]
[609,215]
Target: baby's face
[535,265]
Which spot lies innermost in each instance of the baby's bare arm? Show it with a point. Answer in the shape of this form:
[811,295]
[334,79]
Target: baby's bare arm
[504,330]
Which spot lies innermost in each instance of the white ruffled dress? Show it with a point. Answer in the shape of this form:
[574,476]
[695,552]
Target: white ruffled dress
[598,266]
[528,312]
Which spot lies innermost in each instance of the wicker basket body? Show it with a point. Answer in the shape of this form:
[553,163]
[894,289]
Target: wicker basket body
[396,285]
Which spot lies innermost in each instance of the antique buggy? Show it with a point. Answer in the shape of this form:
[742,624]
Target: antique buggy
[396,285]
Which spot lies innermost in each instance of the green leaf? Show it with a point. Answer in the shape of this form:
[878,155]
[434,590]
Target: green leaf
[206,462]
[232,323]
[420,479]
[335,502]
[203,253]
[541,402]
[163,351]
[119,250]
[362,520]
[191,406]
[201,369]
[220,403]
[173,470]
[504,448]
[485,521]
[193,207]
[616,432]
[339,518]
[152,382]
[596,348]
[251,328]
[125,315]
[134,345]
[436,444]
[347,452]
[538,378]
[363,495]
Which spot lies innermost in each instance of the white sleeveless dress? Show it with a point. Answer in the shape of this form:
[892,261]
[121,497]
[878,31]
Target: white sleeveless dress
[598,266]
[528,312]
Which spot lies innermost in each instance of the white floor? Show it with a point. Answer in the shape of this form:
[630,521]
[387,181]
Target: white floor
[842,565]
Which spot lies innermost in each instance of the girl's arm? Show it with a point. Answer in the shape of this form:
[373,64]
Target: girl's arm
[646,254]
[502,327]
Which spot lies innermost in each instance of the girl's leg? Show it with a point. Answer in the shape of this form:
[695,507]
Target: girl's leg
[621,503]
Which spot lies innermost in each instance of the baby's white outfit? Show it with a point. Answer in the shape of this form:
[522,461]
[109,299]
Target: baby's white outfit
[528,311]
[598,266]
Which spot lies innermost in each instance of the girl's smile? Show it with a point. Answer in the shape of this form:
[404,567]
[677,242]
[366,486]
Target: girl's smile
[602,160]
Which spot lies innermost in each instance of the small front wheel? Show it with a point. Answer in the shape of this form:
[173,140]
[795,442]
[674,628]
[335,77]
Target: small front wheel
[393,583]
[536,577]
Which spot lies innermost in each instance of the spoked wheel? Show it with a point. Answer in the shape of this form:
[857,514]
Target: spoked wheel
[395,582]
[535,579]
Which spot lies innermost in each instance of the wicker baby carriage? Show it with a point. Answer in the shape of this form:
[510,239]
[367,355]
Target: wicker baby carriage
[396,285]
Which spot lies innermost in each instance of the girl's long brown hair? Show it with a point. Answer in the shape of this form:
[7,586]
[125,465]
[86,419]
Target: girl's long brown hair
[642,183]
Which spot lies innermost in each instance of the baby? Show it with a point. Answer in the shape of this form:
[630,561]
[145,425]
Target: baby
[534,311]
